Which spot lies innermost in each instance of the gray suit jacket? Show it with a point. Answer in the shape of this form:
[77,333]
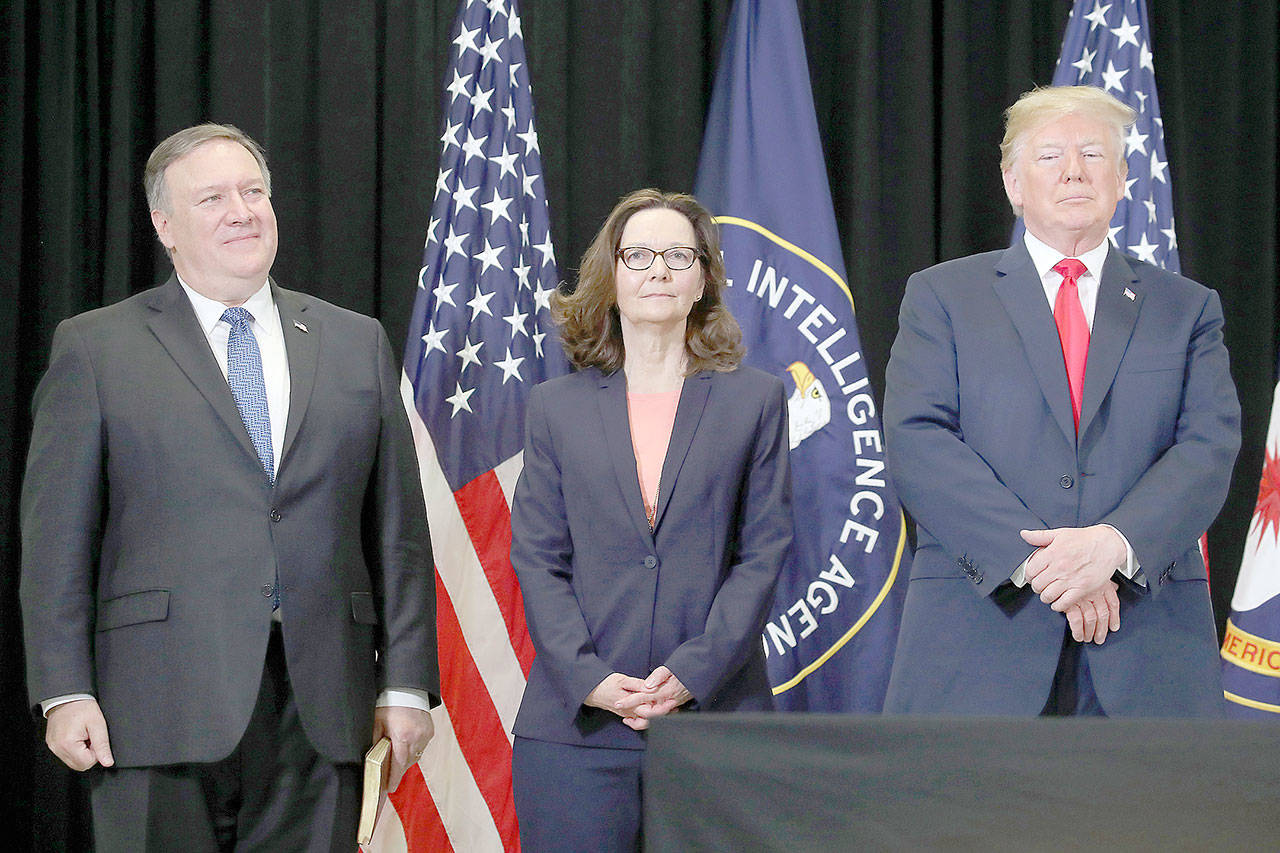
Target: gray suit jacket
[603,593]
[981,444]
[151,535]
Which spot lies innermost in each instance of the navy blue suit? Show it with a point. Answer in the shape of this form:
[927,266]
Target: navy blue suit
[981,444]
[603,593]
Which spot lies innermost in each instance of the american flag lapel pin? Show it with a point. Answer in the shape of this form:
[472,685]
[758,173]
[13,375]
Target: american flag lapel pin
[1129,294]
[301,327]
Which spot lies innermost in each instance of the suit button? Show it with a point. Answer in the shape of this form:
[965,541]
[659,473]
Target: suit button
[275,515]
[1065,481]
[650,562]
[268,590]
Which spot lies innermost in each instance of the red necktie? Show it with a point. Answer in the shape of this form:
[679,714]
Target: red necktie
[1073,329]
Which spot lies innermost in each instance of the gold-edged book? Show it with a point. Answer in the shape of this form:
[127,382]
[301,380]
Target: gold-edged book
[377,767]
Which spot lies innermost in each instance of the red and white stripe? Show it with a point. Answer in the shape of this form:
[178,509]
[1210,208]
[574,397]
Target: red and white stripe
[459,795]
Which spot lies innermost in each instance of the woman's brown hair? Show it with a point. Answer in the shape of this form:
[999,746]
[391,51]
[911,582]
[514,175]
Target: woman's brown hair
[590,327]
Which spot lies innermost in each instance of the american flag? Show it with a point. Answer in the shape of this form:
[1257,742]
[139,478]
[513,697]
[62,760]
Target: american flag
[1108,45]
[480,338]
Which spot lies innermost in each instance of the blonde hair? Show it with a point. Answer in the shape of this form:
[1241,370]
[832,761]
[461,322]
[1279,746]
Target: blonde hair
[1036,108]
[590,326]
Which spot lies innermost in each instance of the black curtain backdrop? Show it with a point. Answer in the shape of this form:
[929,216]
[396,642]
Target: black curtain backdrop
[346,98]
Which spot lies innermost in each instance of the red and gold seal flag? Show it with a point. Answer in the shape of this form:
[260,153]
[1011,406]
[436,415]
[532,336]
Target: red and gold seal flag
[1251,647]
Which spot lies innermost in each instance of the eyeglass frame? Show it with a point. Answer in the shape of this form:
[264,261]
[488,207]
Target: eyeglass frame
[697,256]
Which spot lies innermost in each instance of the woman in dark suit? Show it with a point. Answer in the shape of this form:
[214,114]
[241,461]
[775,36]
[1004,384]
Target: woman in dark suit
[649,524]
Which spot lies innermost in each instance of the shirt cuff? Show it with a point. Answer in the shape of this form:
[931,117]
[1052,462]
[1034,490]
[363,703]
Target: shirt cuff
[1019,576]
[48,705]
[1130,569]
[404,697]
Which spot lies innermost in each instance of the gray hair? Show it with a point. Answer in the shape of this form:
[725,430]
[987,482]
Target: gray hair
[183,143]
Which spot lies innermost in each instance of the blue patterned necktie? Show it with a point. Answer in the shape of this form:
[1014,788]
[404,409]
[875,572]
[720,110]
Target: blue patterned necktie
[244,375]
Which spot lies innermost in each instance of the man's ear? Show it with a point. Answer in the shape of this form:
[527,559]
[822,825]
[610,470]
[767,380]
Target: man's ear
[160,220]
[1011,187]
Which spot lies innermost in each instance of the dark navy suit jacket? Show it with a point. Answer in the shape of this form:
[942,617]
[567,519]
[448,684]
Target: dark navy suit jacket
[602,593]
[981,444]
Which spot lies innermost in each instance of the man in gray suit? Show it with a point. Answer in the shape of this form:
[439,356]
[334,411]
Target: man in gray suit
[1061,423]
[226,562]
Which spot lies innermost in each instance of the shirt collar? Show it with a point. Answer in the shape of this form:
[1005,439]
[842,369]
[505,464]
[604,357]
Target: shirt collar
[1044,256]
[209,311]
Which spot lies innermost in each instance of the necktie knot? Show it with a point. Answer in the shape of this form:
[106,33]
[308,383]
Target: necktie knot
[237,316]
[1070,269]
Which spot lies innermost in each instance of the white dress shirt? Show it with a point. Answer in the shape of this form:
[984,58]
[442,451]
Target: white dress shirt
[1044,258]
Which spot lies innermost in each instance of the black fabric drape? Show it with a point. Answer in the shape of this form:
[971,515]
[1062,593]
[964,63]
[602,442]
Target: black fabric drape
[728,782]
[346,98]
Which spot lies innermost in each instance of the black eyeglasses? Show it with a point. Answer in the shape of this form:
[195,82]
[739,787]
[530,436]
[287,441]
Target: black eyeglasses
[640,258]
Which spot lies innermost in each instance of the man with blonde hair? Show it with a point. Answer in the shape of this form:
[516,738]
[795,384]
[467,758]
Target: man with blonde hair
[1061,423]
[225,554]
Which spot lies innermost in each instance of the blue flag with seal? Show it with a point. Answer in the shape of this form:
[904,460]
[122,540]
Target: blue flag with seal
[830,637]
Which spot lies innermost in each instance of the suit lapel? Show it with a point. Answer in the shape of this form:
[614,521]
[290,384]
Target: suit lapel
[302,344]
[693,401]
[1019,289]
[617,433]
[173,322]
[1113,320]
